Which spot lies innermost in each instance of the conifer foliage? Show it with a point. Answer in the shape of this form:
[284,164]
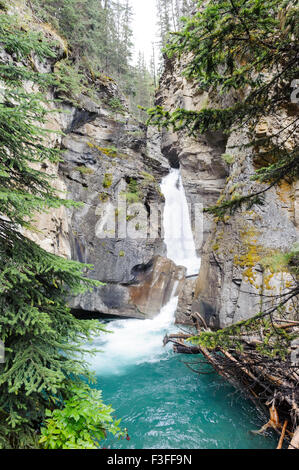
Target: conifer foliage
[43,341]
[100,38]
[245,53]
[170,14]
[248,48]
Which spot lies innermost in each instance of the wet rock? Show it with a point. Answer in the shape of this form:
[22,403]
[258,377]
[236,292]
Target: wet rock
[232,284]
[152,286]
[157,286]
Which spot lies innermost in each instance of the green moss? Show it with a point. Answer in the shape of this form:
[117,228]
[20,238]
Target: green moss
[84,170]
[277,261]
[220,200]
[229,159]
[250,256]
[132,198]
[131,217]
[148,177]
[111,152]
[106,78]
[103,197]
[233,188]
[133,195]
[107,181]
[121,254]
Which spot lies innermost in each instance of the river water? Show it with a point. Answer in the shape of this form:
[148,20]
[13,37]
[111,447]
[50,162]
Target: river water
[162,403]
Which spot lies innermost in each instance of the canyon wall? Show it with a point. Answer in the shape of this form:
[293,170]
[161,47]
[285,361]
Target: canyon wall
[113,165]
[233,283]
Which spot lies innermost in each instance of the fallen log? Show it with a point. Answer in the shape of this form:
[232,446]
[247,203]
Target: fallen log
[272,423]
[169,338]
[182,349]
[262,378]
[282,434]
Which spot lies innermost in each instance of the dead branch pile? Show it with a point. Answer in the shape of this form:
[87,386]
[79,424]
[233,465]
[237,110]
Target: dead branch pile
[270,382]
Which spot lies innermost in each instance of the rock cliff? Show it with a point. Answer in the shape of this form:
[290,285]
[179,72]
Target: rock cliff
[233,283]
[113,166]
[110,168]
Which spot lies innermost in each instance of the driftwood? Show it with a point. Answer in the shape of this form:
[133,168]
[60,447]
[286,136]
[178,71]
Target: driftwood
[272,423]
[270,383]
[282,434]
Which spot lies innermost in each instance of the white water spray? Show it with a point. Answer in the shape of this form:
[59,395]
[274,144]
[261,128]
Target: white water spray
[178,234]
[133,342]
[136,341]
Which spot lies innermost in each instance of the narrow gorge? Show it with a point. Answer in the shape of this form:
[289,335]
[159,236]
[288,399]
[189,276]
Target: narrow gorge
[166,268]
[132,180]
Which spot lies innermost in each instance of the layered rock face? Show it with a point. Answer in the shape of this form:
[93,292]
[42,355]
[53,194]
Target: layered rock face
[202,168]
[233,283]
[112,167]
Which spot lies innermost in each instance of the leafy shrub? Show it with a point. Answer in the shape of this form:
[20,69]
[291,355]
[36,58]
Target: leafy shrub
[81,424]
[116,104]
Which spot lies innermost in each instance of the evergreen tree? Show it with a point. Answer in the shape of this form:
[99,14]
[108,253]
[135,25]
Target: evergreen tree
[248,48]
[143,88]
[170,13]
[98,32]
[237,45]
[44,342]
[99,35]
[153,66]
[170,16]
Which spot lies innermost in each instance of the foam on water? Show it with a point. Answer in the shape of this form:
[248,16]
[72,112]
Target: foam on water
[133,342]
[162,403]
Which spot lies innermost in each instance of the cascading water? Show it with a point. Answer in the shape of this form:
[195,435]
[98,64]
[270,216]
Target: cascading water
[163,404]
[133,342]
[137,341]
[178,234]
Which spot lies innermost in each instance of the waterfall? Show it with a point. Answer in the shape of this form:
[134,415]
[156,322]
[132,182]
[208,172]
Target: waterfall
[162,403]
[133,342]
[178,234]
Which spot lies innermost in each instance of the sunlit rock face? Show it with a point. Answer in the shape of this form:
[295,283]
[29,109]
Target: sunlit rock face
[157,286]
